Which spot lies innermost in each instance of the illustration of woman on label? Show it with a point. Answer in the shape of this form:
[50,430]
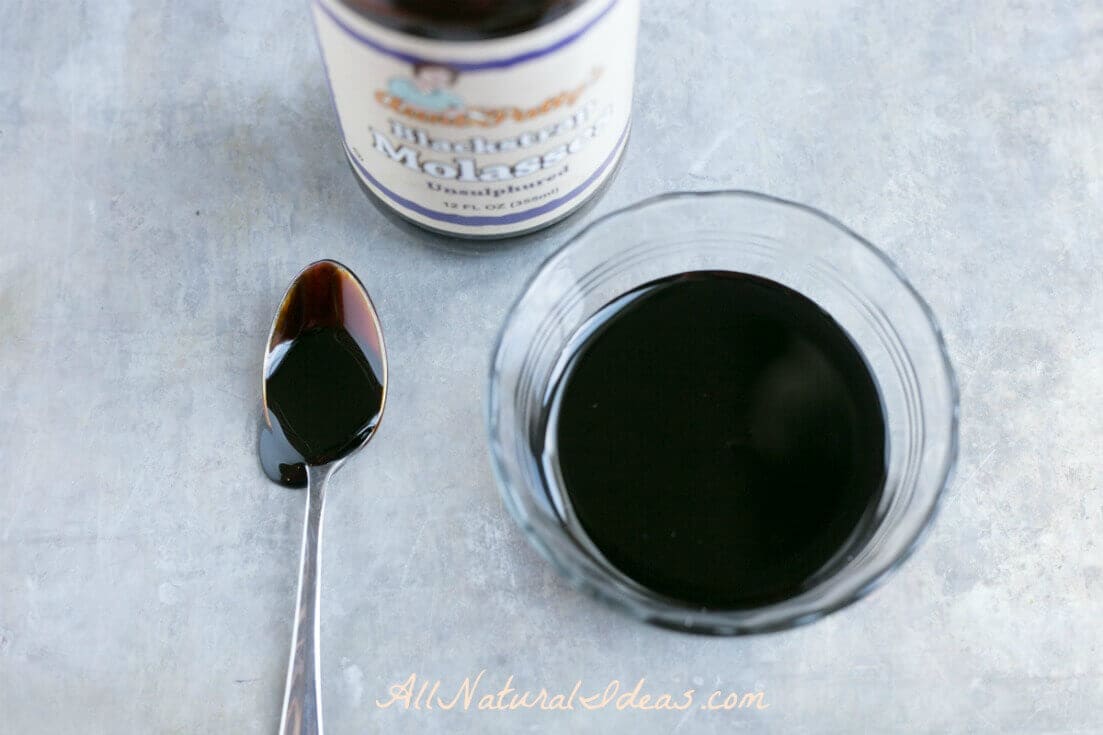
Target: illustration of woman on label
[428,89]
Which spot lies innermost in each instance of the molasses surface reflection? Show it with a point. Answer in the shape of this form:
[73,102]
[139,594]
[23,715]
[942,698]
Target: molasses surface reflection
[720,438]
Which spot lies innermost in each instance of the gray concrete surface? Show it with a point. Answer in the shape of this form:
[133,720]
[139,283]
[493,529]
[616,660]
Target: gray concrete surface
[165,168]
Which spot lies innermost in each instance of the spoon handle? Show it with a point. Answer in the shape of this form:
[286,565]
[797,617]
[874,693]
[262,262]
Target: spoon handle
[302,699]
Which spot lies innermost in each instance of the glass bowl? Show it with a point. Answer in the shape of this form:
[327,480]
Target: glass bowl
[760,235]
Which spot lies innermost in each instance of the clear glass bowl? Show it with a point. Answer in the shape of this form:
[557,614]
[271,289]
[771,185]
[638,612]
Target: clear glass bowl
[745,232]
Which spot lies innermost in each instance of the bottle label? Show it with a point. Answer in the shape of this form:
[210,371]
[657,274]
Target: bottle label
[486,138]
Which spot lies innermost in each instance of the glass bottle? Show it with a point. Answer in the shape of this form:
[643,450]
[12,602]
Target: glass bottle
[481,118]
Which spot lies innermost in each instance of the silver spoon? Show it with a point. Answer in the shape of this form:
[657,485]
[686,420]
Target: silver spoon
[325,384]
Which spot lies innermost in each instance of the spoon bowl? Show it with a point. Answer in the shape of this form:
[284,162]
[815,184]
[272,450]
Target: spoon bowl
[325,367]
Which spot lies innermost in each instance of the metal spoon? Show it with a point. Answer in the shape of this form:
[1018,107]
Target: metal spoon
[325,383]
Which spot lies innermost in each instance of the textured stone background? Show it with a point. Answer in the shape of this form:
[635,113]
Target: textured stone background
[165,168]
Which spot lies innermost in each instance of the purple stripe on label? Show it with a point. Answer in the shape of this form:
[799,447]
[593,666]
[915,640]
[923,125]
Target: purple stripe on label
[466,65]
[484,220]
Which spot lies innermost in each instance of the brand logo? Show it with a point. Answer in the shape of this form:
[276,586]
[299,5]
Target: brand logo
[428,96]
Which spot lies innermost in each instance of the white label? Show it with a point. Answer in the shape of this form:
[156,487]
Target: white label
[485,138]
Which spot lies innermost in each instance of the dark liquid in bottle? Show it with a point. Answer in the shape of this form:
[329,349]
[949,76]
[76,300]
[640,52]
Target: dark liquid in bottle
[325,373]
[720,438]
[462,20]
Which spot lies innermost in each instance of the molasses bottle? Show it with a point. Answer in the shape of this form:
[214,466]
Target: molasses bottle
[481,118]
